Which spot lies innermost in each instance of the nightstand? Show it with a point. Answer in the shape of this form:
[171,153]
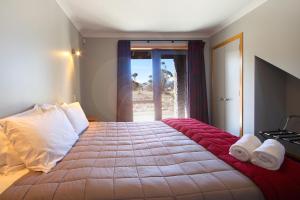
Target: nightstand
[92,119]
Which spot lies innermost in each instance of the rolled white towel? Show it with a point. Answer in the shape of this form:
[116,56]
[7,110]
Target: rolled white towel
[244,147]
[270,155]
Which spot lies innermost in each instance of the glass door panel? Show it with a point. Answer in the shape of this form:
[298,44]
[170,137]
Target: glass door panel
[142,89]
[173,85]
[168,89]
[158,84]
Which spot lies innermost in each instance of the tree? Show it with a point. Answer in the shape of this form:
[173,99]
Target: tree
[150,79]
[134,75]
[148,85]
[165,76]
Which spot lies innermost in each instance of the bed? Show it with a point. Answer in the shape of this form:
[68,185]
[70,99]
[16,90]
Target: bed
[8,179]
[149,160]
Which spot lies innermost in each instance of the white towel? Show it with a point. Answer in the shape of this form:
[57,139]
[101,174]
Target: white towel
[244,147]
[269,155]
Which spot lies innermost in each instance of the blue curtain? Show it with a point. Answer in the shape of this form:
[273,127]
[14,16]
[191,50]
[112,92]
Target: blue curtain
[124,86]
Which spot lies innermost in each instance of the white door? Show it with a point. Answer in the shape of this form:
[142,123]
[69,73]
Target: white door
[218,108]
[226,112]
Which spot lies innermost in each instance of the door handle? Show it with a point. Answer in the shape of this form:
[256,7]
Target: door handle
[224,99]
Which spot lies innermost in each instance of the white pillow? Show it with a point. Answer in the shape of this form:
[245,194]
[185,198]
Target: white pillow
[46,107]
[76,116]
[9,158]
[41,140]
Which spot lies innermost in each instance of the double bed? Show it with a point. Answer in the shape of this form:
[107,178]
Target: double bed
[149,160]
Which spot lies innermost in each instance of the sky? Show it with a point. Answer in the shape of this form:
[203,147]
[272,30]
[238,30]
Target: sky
[143,67]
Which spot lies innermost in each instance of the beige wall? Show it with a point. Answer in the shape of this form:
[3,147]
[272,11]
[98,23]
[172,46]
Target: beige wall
[271,32]
[99,77]
[35,61]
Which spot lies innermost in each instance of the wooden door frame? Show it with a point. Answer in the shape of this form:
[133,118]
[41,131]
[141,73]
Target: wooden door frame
[240,37]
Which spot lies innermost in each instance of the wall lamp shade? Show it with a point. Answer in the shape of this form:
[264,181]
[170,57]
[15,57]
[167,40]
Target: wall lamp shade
[76,52]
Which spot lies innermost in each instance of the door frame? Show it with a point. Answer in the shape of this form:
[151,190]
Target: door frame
[239,37]
[156,67]
[156,54]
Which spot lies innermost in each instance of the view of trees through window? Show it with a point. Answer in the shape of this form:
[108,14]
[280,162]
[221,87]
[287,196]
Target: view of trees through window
[142,84]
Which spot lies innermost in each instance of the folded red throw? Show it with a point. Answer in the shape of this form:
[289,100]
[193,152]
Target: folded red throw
[283,184]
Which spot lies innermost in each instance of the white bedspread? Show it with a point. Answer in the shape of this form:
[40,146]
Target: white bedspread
[136,161]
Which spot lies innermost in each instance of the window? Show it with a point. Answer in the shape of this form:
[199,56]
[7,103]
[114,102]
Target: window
[158,84]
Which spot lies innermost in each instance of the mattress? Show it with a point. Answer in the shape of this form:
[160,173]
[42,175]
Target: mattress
[147,160]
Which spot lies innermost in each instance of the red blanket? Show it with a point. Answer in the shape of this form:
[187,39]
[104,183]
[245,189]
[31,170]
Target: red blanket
[275,185]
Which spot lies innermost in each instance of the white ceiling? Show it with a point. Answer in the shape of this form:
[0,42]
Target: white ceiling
[178,18]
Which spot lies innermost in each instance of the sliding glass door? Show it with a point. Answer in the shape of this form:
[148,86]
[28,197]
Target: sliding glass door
[159,84]
[142,86]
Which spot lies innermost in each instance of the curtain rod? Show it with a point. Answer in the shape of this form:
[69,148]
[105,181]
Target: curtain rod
[159,41]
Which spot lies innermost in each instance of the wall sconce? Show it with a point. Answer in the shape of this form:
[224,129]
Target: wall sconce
[76,52]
